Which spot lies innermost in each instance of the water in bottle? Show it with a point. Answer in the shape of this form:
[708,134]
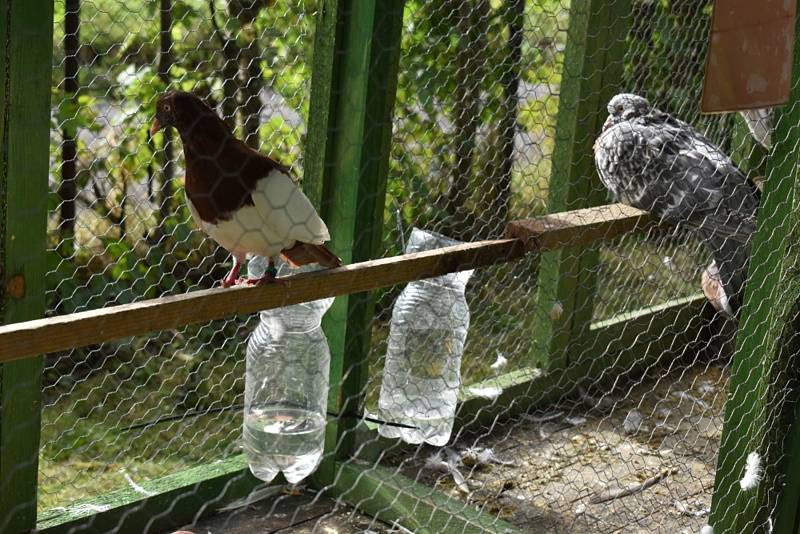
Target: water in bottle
[286,387]
[422,371]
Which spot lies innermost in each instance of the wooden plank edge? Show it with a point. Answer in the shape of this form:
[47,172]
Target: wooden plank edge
[386,494]
[200,489]
[578,227]
[177,500]
[65,332]
[619,347]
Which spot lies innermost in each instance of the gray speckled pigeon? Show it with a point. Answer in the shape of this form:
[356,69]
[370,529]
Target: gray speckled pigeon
[655,162]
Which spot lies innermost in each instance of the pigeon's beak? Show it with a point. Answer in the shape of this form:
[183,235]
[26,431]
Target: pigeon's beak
[156,126]
[609,122]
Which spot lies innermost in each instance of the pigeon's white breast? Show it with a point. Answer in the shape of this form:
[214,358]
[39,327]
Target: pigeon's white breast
[281,216]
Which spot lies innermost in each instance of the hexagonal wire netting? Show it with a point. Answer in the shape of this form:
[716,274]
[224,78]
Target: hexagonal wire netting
[472,148]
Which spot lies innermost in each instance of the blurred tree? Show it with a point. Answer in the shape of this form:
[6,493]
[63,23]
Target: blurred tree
[67,190]
[471,24]
[502,170]
[248,53]
[229,67]
[164,65]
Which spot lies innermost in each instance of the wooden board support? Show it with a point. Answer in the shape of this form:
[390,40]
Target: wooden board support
[391,497]
[592,72]
[26,47]
[42,336]
[356,57]
[624,346]
[579,227]
[759,385]
[176,500]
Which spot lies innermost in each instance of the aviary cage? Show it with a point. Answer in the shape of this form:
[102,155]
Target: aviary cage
[600,391]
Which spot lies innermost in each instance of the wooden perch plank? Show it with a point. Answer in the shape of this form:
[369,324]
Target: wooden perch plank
[43,336]
[578,227]
[96,326]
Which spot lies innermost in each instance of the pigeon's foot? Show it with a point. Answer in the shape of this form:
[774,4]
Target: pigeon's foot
[268,278]
[232,278]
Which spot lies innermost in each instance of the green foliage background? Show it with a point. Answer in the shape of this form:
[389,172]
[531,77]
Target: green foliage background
[124,250]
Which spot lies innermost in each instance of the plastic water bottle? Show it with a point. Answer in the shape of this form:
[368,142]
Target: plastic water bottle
[422,372]
[286,388]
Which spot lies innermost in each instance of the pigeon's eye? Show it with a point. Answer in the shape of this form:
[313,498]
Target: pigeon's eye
[620,108]
[167,108]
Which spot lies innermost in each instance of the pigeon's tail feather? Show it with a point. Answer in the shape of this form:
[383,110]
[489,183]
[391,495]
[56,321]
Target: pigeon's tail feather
[732,258]
[740,232]
[305,253]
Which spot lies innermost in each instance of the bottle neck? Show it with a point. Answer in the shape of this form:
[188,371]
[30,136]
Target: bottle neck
[454,286]
[279,321]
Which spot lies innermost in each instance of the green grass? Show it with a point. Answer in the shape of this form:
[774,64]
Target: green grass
[85,449]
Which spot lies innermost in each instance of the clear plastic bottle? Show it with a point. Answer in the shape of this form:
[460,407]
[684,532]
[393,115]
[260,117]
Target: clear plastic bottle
[422,371]
[286,388]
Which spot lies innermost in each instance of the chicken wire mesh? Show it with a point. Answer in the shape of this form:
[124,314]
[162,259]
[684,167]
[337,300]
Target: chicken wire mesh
[631,445]
[163,396]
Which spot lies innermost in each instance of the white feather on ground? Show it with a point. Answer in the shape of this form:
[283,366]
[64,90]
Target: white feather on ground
[136,487]
[500,362]
[488,392]
[251,498]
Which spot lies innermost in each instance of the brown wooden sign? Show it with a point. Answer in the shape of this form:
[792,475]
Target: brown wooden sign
[749,61]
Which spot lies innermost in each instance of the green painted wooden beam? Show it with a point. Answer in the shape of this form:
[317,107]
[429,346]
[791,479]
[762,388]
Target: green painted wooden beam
[356,57]
[391,497]
[26,37]
[623,346]
[321,117]
[787,513]
[756,385]
[627,345]
[592,72]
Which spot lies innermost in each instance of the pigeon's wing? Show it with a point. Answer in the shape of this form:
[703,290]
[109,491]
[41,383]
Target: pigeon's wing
[286,211]
[671,170]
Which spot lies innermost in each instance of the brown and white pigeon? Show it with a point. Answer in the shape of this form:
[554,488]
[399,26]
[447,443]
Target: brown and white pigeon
[247,202]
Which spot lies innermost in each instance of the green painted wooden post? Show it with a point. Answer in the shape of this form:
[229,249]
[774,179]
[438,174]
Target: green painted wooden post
[592,71]
[356,55]
[758,370]
[26,34]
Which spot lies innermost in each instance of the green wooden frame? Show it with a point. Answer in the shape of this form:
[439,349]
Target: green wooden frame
[357,46]
[634,342]
[357,51]
[26,36]
[758,372]
[593,63]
